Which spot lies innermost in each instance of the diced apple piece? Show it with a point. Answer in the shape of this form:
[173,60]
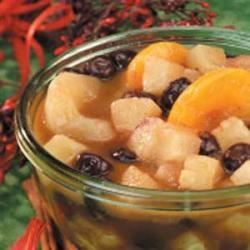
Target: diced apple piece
[191,74]
[64,148]
[205,58]
[169,174]
[231,131]
[239,62]
[134,177]
[188,241]
[242,175]
[200,172]
[66,95]
[158,73]
[159,142]
[127,113]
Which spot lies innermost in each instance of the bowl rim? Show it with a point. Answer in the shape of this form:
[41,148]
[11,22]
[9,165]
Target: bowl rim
[62,174]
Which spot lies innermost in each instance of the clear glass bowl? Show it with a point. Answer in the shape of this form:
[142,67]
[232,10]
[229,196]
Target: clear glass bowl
[100,215]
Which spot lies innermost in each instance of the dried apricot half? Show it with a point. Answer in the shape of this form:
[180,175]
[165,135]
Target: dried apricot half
[212,98]
[171,51]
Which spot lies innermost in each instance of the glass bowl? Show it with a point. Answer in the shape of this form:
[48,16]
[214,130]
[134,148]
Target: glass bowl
[100,215]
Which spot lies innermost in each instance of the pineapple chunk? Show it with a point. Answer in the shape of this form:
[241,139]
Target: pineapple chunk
[191,74]
[239,62]
[134,177]
[159,142]
[158,73]
[64,148]
[231,131]
[66,96]
[205,58]
[200,172]
[169,174]
[188,241]
[242,175]
[127,113]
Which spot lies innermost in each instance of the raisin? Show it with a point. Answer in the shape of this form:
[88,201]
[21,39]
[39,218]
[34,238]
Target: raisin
[209,145]
[93,165]
[123,58]
[102,67]
[124,155]
[171,94]
[235,156]
[140,94]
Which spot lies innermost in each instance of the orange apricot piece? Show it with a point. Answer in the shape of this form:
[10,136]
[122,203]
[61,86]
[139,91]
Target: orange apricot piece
[212,98]
[171,51]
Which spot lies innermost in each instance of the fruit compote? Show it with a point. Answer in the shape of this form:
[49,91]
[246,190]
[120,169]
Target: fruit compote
[165,118]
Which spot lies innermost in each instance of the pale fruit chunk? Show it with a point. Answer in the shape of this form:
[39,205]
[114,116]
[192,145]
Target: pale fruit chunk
[134,177]
[191,74]
[188,241]
[169,174]
[158,142]
[64,148]
[158,73]
[236,226]
[66,95]
[242,175]
[200,172]
[205,58]
[127,113]
[231,131]
[239,62]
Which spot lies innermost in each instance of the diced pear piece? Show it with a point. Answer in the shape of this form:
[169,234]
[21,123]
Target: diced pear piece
[188,241]
[200,172]
[169,174]
[205,58]
[127,113]
[191,74]
[158,73]
[242,175]
[64,148]
[134,177]
[159,142]
[66,94]
[231,131]
[242,61]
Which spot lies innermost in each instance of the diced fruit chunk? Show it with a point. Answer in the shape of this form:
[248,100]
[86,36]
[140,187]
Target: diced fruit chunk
[188,241]
[213,98]
[242,175]
[205,58]
[158,73]
[158,142]
[230,132]
[66,95]
[191,74]
[134,177]
[169,174]
[200,172]
[64,148]
[239,62]
[127,113]
[171,51]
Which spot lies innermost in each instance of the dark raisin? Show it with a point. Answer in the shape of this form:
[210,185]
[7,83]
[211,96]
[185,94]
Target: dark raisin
[124,155]
[186,223]
[123,58]
[102,67]
[139,94]
[230,55]
[235,156]
[171,94]
[209,145]
[93,165]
